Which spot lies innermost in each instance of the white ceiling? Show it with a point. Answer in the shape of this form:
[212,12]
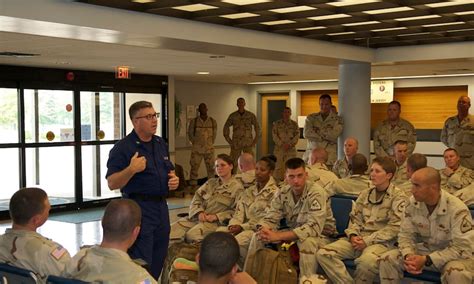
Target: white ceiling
[241,62]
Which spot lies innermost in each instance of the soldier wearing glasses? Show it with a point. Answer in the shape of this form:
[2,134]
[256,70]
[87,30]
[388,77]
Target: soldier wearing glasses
[139,166]
[374,224]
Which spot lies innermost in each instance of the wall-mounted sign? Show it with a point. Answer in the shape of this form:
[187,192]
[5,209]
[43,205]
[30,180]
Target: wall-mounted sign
[122,72]
[381,92]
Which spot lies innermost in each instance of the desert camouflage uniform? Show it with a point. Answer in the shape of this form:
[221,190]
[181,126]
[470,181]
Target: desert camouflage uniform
[284,133]
[106,265]
[351,185]
[385,136]
[400,175]
[202,135]
[466,194]
[461,178]
[32,251]
[251,208]
[308,218]
[460,136]
[320,174]
[246,178]
[406,187]
[213,197]
[341,168]
[378,225]
[242,137]
[323,134]
[446,236]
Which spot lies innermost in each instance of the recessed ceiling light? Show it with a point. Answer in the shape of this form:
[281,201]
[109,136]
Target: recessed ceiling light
[464,13]
[203,73]
[351,2]
[279,22]
[293,9]
[239,15]
[390,29]
[450,3]
[341,33]
[143,1]
[311,28]
[329,17]
[418,18]
[414,34]
[388,10]
[361,23]
[195,7]
[443,24]
[245,2]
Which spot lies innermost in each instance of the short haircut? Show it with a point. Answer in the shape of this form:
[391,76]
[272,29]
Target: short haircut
[26,203]
[325,96]
[359,164]
[226,158]
[240,99]
[270,160]
[121,216]
[137,106]
[451,149]
[396,103]
[219,253]
[401,142]
[430,176]
[321,154]
[387,164]
[295,163]
[417,161]
[288,108]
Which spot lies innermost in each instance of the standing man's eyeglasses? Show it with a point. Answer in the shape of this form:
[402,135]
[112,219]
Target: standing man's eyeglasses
[150,116]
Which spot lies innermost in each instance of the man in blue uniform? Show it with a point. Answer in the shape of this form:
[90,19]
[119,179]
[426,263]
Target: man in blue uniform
[139,165]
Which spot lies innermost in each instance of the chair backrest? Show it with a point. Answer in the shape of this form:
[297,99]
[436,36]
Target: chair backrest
[12,274]
[61,280]
[341,206]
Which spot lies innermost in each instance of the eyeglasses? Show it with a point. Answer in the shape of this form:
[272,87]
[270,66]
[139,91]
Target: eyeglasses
[150,116]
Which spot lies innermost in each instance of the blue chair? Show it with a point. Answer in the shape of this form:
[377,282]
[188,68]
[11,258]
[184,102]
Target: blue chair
[341,206]
[61,280]
[12,274]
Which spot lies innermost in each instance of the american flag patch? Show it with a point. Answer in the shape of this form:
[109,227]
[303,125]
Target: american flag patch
[58,252]
[146,281]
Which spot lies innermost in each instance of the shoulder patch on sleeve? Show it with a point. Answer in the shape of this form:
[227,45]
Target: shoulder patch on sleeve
[58,252]
[315,206]
[466,225]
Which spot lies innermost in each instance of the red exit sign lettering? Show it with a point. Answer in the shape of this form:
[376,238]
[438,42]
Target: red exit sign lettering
[122,72]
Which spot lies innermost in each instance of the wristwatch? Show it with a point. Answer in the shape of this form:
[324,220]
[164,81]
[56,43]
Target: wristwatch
[428,261]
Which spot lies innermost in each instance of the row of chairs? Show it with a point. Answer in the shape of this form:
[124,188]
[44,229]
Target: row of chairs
[11,274]
[341,206]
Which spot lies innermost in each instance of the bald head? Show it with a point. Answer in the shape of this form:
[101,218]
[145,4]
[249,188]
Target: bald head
[351,146]
[319,155]
[428,176]
[246,162]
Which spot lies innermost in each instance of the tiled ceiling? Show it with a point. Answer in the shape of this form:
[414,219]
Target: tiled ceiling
[372,24]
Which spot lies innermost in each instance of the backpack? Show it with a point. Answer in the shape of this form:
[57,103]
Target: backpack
[272,267]
[175,250]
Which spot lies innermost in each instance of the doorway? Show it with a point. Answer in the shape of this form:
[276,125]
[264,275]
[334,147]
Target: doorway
[272,108]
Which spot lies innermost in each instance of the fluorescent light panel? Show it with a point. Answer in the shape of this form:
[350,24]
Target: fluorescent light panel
[293,9]
[361,23]
[388,10]
[311,28]
[239,15]
[194,7]
[279,22]
[390,29]
[143,1]
[418,18]
[443,24]
[245,2]
[464,13]
[341,33]
[445,4]
[347,3]
[329,17]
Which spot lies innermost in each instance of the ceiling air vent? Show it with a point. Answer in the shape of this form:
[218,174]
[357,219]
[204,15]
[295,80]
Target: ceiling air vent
[17,54]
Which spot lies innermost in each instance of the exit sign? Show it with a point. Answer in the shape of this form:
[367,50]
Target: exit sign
[122,72]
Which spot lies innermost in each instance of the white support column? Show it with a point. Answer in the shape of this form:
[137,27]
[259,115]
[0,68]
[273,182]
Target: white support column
[354,104]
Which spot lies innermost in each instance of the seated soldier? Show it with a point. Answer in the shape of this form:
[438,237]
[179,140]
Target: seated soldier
[415,162]
[342,167]
[22,246]
[252,206]
[373,228]
[308,215]
[318,172]
[354,183]
[109,262]
[436,234]
[454,177]
[217,261]
[246,176]
[400,152]
[212,206]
